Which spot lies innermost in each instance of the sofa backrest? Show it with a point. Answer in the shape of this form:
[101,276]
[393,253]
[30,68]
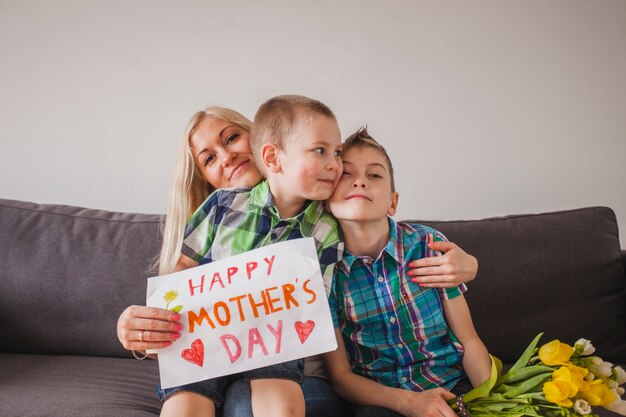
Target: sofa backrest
[66,274]
[559,273]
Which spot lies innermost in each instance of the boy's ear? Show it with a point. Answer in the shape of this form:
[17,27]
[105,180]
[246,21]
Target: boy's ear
[394,203]
[270,157]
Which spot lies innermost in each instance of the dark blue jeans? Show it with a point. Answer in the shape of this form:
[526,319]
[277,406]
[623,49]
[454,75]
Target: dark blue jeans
[215,389]
[320,399]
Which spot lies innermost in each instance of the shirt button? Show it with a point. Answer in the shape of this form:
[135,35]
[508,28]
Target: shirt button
[400,345]
[392,320]
[404,379]
[380,279]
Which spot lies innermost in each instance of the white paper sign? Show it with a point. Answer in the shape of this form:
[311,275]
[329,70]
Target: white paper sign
[252,310]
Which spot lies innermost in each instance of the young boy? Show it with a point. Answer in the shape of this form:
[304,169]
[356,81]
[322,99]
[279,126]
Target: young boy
[403,343]
[296,143]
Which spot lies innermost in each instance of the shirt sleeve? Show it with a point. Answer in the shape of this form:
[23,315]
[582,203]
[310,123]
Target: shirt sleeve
[330,246]
[450,293]
[199,232]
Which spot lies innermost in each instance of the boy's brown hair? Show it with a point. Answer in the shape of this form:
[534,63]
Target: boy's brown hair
[278,120]
[361,139]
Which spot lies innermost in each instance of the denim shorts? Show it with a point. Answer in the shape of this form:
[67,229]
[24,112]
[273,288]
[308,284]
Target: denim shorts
[215,388]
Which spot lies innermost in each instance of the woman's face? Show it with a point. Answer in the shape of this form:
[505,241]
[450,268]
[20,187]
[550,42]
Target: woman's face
[221,151]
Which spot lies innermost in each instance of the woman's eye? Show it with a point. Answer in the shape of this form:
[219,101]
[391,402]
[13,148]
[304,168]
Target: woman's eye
[345,174]
[209,159]
[230,139]
[376,176]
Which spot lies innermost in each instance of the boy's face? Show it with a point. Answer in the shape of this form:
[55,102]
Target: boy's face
[364,190]
[311,163]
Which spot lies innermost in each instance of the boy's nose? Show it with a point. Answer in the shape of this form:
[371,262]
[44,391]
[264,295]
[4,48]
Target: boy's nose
[358,183]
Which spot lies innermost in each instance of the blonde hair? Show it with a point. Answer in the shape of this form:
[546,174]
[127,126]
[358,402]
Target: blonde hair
[362,139]
[189,188]
[279,118]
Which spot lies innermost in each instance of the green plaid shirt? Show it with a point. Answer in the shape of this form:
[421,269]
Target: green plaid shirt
[236,220]
[394,330]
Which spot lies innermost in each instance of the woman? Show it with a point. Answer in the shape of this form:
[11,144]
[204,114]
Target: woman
[215,153]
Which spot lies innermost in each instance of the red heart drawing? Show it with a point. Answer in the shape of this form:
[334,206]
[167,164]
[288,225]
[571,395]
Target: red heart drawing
[304,329]
[194,355]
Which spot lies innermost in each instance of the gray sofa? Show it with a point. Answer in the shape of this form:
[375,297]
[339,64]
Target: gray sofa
[66,273]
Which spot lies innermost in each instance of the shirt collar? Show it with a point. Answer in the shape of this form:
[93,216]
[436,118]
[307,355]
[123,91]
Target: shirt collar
[260,195]
[261,198]
[393,248]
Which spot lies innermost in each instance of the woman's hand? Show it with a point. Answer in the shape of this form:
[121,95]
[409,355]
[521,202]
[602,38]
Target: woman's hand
[140,328]
[453,268]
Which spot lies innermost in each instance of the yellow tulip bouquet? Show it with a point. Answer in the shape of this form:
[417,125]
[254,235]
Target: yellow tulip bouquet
[554,380]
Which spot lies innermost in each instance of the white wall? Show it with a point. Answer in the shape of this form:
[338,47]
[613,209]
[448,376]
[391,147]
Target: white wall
[487,107]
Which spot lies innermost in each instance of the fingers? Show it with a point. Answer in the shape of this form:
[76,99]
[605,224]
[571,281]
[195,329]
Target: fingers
[442,246]
[425,262]
[444,393]
[438,281]
[141,328]
[432,403]
[443,408]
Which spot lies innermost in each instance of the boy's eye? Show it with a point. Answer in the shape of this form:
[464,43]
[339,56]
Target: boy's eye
[230,139]
[338,153]
[320,151]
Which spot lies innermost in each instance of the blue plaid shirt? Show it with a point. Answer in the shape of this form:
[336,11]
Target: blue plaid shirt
[394,330]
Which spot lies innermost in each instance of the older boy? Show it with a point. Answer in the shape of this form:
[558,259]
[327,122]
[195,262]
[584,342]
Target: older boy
[403,343]
[296,143]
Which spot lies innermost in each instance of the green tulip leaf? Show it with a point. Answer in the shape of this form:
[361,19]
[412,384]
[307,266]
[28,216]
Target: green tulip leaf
[528,353]
[514,390]
[484,389]
[523,374]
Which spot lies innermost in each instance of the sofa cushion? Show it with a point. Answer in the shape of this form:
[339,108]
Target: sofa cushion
[558,273]
[66,273]
[47,385]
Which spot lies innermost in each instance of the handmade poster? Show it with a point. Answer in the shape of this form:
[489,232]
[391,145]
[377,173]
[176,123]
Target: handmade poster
[252,310]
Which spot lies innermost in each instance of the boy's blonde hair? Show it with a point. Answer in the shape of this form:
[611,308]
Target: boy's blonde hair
[360,139]
[278,120]
[189,188]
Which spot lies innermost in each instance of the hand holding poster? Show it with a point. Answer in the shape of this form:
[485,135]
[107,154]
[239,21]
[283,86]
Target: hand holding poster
[256,309]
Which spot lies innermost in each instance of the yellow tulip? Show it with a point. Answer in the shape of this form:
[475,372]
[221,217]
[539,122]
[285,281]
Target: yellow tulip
[597,393]
[578,375]
[555,353]
[565,375]
[557,392]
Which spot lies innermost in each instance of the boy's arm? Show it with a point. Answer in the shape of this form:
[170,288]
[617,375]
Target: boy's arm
[476,361]
[361,390]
